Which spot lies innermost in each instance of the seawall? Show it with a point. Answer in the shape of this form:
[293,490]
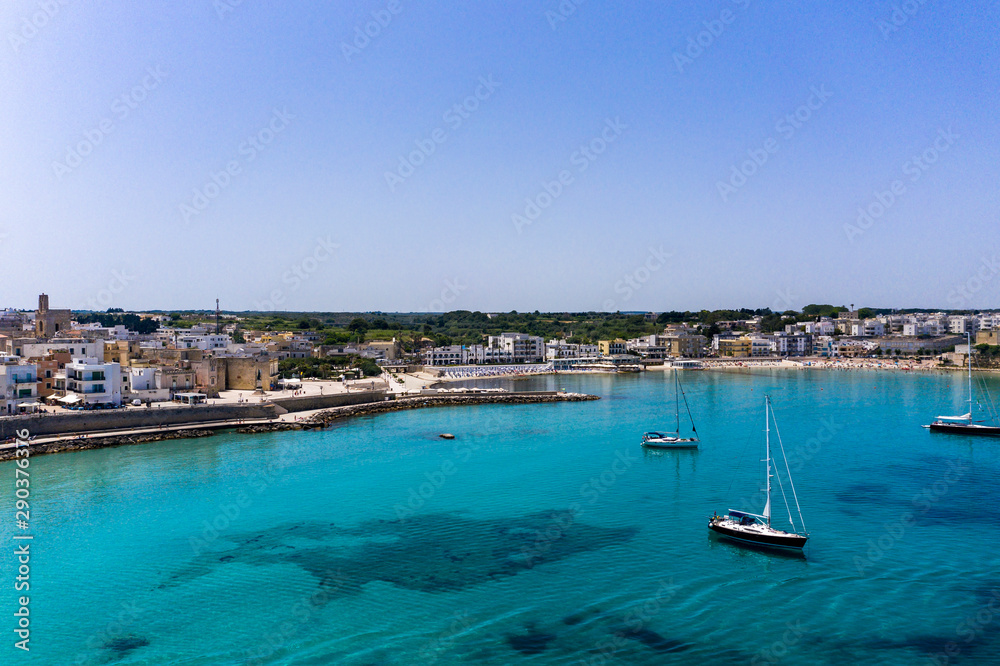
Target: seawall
[316,421]
[123,419]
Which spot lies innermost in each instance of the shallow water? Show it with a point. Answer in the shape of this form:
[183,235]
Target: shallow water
[541,534]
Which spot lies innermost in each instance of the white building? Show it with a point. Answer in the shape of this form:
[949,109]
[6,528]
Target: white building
[519,347]
[203,342]
[18,385]
[933,326]
[95,330]
[647,346]
[450,355]
[868,328]
[75,346]
[760,346]
[796,344]
[482,354]
[95,383]
[961,324]
[561,349]
[143,383]
[558,348]
[988,321]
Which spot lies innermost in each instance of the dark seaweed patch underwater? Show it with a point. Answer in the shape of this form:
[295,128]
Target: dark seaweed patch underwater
[430,553]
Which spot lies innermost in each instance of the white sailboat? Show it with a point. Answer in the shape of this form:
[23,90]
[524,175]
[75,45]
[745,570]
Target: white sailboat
[673,439]
[756,528]
[963,424]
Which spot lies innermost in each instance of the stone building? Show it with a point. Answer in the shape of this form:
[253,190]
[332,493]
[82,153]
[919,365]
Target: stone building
[49,323]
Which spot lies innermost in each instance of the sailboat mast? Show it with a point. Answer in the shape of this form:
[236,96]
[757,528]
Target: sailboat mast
[677,405]
[767,476]
[968,339]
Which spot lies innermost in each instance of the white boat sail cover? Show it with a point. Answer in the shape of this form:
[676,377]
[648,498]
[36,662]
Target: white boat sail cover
[767,509]
[963,417]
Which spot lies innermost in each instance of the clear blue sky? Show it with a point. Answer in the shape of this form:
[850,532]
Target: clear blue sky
[309,220]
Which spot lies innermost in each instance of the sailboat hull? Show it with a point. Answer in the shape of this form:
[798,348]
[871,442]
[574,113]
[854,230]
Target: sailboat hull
[668,444]
[770,539]
[966,429]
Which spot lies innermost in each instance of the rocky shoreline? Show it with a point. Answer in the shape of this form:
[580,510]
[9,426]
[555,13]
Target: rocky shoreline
[319,420]
[86,443]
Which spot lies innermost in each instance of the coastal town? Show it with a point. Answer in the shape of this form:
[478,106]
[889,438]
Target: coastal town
[56,361]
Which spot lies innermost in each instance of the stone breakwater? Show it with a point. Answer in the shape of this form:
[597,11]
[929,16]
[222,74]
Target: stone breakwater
[318,420]
[83,444]
[328,416]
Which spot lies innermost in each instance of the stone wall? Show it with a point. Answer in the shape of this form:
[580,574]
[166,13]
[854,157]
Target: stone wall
[137,417]
[307,402]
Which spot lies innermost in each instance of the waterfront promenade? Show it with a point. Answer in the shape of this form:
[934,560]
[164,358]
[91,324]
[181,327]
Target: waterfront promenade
[374,403]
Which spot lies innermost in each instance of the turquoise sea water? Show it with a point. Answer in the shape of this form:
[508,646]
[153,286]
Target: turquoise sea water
[542,534]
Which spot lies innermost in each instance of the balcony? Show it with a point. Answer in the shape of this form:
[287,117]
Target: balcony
[23,379]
